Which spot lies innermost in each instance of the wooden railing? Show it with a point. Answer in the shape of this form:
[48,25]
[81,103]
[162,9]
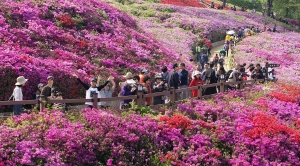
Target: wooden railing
[140,97]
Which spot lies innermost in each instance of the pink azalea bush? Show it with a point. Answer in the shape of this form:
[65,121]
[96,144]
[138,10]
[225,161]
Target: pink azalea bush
[63,37]
[238,128]
[278,48]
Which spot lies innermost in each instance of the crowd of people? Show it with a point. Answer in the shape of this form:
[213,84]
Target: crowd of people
[205,72]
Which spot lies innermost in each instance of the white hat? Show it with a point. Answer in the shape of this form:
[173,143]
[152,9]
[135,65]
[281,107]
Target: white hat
[196,72]
[40,85]
[128,75]
[21,80]
[131,81]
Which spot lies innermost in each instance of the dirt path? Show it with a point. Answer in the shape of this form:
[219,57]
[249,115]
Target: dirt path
[216,50]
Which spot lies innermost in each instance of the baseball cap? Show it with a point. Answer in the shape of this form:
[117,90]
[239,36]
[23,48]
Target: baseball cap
[94,80]
[50,77]
[144,70]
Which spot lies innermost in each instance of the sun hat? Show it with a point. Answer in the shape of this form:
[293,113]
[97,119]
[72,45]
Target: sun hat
[196,73]
[128,75]
[131,81]
[94,80]
[50,77]
[21,80]
[40,85]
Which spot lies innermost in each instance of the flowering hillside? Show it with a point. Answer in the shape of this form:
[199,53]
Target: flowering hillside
[238,128]
[61,37]
[179,27]
[279,48]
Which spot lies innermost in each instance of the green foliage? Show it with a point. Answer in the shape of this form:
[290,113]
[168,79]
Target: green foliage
[287,8]
[167,10]
[103,14]
[142,110]
[80,22]
[257,5]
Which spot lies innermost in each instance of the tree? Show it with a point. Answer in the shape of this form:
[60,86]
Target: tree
[288,9]
[224,3]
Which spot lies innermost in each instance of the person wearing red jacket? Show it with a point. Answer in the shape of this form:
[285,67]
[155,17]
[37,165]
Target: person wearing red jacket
[209,45]
[195,81]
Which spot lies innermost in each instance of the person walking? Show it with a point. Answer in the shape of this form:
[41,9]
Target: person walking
[226,47]
[18,95]
[198,53]
[183,77]
[196,79]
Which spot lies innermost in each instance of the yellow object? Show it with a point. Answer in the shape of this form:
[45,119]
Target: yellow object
[227,37]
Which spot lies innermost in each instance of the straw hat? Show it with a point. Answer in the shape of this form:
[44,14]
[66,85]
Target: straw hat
[21,80]
[128,75]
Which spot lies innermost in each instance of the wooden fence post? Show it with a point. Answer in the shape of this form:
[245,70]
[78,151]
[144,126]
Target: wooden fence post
[241,86]
[95,100]
[222,86]
[42,101]
[199,90]
[266,72]
[140,98]
[172,95]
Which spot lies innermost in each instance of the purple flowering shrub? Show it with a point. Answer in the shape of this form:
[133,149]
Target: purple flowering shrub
[238,128]
[63,37]
[177,28]
[278,48]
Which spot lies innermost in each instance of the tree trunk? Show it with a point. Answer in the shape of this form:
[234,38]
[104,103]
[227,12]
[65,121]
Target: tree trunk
[224,3]
[269,7]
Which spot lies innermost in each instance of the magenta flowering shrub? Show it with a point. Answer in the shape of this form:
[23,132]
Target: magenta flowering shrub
[63,37]
[238,128]
[177,28]
[279,48]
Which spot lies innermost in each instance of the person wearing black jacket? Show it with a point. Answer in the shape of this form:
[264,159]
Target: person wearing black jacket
[173,80]
[210,78]
[183,77]
[257,73]
[93,89]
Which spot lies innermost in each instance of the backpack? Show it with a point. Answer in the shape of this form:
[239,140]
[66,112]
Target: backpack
[221,60]
[227,75]
[216,60]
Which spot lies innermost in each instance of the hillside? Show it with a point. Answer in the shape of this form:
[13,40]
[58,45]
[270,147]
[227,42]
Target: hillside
[62,37]
[179,27]
[279,48]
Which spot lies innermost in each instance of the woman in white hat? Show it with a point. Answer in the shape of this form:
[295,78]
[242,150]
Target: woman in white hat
[18,95]
[196,79]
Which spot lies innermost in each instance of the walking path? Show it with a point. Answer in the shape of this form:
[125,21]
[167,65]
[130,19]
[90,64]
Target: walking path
[216,50]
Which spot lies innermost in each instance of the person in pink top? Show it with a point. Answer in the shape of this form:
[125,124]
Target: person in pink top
[195,81]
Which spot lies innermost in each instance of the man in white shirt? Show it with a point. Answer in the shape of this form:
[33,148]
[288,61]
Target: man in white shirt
[93,89]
